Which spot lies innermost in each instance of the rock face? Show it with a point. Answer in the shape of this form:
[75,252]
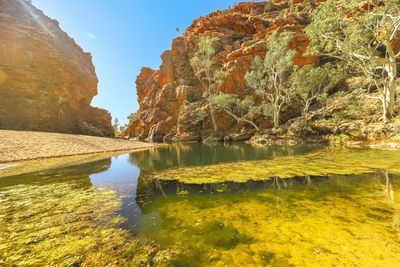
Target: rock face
[46,81]
[242,32]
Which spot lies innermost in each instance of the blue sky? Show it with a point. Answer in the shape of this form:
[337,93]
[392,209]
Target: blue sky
[123,36]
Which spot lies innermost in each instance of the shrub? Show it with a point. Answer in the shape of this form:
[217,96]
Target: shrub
[201,116]
[182,106]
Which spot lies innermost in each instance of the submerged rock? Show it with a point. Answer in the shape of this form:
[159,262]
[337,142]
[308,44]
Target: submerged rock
[47,82]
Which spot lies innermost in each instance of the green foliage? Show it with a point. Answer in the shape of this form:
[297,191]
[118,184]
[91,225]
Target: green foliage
[226,11]
[116,124]
[359,91]
[340,115]
[341,94]
[322,97]
[292,7]
[200,118]
[240,109]
[268,77]
[283,14]
[189,83]
[251,42]
[122,128]
[132,117]
[210,77]
[354,109]
[202,61]
[269,6]
[362,40]
[312,83]
[183,105]
[306,6]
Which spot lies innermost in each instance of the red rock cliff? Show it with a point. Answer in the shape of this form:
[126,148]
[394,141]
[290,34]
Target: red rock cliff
[46,81]
[242,32]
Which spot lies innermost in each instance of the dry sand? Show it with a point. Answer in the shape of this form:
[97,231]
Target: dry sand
[28,145]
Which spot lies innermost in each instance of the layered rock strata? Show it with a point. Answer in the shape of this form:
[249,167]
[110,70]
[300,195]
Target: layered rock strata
[47,82]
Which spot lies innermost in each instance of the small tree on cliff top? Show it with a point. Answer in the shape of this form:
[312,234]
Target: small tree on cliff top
[363,40]
[211,79]
[269,77]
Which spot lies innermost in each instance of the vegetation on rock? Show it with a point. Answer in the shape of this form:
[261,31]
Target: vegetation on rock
[303,51]
[363,36]
[269,77]
[209,78]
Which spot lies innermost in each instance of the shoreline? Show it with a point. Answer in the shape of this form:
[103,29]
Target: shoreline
[18,146]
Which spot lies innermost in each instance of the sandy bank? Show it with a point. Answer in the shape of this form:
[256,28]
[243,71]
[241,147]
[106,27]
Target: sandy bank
[28,145]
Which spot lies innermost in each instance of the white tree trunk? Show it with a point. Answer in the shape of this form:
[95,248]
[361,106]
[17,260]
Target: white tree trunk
[390,88]
[276,114]
[212,116]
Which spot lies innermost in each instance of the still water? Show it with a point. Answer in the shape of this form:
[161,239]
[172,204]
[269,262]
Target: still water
[207,205]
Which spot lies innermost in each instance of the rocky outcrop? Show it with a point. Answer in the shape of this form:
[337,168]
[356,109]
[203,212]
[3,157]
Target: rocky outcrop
[46,81]
[171,104]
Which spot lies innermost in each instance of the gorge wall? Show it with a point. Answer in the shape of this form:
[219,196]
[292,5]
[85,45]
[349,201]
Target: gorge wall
[47,82]
[242,32]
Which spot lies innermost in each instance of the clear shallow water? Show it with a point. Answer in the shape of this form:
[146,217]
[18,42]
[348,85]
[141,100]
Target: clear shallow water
[118,211]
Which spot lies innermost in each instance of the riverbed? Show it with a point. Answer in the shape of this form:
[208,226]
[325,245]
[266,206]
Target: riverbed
[207,205]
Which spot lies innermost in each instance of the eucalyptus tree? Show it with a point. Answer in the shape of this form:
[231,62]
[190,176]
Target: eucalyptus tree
[363,39]
[311,83]
[269,76]
[244,110]
[210,77]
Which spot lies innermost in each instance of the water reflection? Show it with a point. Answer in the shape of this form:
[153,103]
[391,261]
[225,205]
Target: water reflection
[199,154]
[329,219]
[67,174]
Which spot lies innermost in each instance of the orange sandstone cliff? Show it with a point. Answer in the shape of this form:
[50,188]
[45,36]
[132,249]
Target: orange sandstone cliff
[46,81]
[242,32]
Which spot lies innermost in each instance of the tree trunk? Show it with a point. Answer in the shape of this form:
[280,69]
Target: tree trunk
[392,75]
[276,115]
[212,116]
[385,105]
[304,116]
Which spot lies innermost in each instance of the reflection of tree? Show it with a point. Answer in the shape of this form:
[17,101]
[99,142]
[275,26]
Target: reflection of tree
[198,154]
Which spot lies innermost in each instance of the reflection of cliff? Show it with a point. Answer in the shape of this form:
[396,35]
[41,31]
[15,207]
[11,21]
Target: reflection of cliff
[198,154]
[77,173]
[46,81]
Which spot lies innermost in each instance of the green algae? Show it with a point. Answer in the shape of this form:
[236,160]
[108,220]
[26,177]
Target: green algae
[59,218]
[337,221]
[320,163]
[67,224]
